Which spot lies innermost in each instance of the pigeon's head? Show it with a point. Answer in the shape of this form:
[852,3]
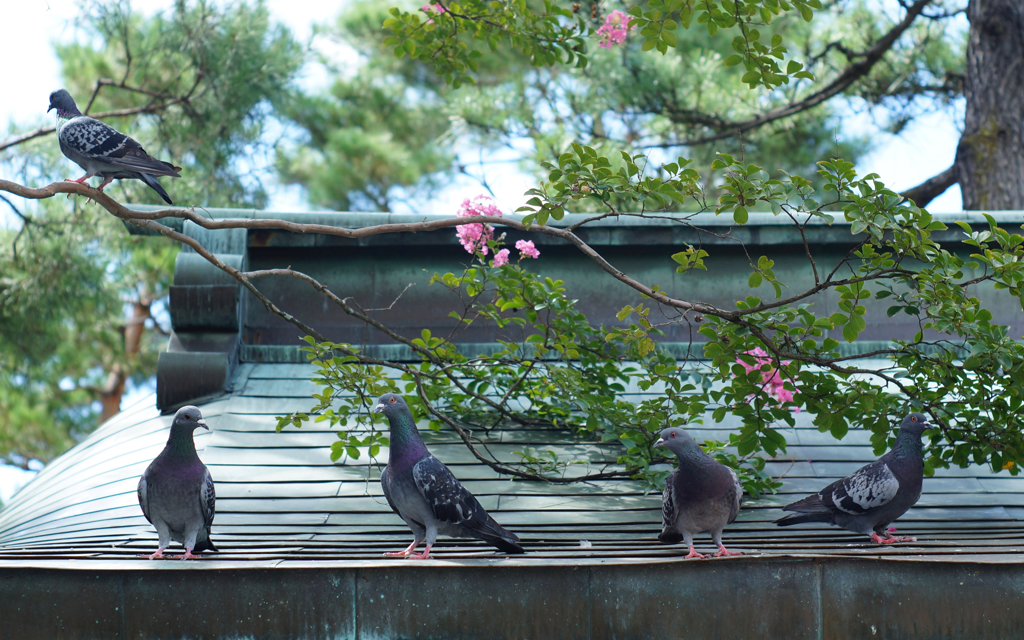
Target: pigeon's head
[188,419]
[676,439]
[62,101]
[916,423]
[390,404]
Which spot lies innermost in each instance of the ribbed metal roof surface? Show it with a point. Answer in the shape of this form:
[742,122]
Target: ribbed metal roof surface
[281,502]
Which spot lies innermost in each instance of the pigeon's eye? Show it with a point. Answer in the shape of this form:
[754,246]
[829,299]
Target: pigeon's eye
[392,400]
[672,435]
[913,418]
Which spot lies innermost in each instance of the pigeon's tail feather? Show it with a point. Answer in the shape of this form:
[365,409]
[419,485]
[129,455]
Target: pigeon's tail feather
[800,518]
[493,533]
[155,185]
[508,544]
[670,536]
[810,504]
[810,509]
[204,545]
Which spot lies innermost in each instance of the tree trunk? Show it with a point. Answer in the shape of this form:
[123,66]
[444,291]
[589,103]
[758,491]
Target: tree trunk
[990,156]
[113,390]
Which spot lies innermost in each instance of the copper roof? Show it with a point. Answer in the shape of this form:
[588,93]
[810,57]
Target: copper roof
[282,502]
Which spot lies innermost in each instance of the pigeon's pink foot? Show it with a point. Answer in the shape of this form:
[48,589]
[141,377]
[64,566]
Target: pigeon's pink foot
[891,539]
[722,551]
[693,554]
[82,180]
[105,182]
[189,555]
[422,556]
[401,554]
[159,554]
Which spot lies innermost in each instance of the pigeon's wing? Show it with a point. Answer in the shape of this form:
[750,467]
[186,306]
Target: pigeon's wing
[734,497]
[99,142]
[208,499]
[868,488]
[446,498]
[385,484]
[668,506]
[94,139]
[135,158]
[142,492]
[669,512]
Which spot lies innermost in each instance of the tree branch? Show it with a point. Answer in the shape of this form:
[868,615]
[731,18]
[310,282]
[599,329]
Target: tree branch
[140,217]
[854,72]
[932,188]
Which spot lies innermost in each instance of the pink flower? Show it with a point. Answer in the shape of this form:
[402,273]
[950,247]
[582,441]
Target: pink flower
[501,258]
[615,29]
[474,237]
[433,8]
[771,378]
[527,249]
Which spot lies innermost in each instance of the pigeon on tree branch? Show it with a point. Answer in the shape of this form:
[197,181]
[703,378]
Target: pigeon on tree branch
[104,151]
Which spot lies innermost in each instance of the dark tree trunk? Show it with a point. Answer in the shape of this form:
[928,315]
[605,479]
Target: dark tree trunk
[990,156]
[113,390]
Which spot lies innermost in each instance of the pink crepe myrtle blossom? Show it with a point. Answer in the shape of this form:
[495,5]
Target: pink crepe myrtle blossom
[433,8]
[771,379]
[501,258]
[527,249]
[615,29]
[474,237]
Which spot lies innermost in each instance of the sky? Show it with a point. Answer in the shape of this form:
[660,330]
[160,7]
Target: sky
[923,150]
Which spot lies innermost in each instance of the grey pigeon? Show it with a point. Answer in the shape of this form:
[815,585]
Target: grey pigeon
[104,151]
[424,493]
[176,491]
[701,495]
[876,494]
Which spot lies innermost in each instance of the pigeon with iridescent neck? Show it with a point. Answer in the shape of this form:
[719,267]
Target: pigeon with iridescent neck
[876,494]
[176,491]
[104,151]
[701,495]
[424,493]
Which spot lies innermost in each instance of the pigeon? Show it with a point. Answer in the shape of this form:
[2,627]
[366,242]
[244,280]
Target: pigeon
[424,493]
[104,151]
[876,494]
[701,495]
[176,491]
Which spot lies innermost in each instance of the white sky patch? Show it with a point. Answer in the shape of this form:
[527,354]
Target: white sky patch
[12,479]
[926,148]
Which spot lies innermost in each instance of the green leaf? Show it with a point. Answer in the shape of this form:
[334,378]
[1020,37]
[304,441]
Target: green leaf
[853,327]
[739,214]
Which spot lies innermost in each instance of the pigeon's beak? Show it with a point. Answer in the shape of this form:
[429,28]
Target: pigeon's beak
[660,442]
[379,408]
[202,423]
[51,108]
